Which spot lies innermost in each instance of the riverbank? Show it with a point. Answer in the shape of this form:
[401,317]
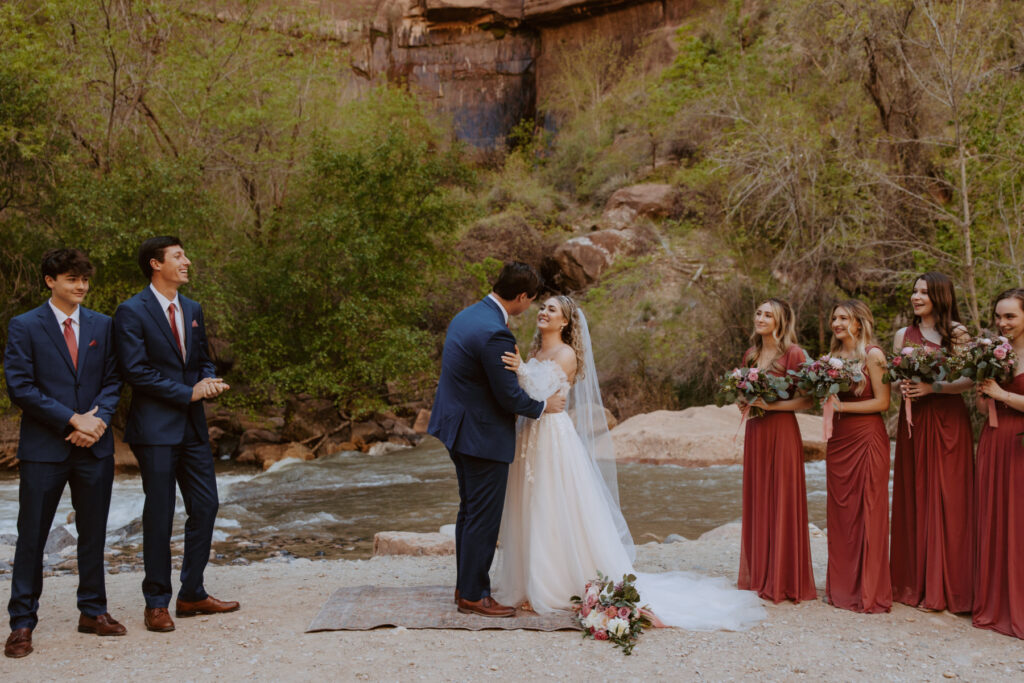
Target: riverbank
[266,639]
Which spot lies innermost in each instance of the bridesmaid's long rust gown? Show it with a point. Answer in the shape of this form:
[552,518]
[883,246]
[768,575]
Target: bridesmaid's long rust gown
[933,522]
[775,549]
[999,584]
[857,463]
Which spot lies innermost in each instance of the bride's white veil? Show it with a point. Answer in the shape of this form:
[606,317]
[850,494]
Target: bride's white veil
[587,411]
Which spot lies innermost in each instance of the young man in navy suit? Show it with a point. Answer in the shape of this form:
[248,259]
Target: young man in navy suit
[163,356]
[61,371]
[474,415]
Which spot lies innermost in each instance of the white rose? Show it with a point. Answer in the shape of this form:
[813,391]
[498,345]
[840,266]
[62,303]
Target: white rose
[618,627]
[836,363]
[986,341]
[596,619]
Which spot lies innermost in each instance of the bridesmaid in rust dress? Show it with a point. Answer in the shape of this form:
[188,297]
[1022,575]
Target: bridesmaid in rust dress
[858,472]
[933,479]
[999,579]
[775,549]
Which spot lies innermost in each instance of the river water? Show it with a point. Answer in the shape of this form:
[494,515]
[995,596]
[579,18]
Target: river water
[332,507]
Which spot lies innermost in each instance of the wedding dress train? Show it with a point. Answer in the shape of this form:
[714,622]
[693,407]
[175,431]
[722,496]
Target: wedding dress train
[561,525]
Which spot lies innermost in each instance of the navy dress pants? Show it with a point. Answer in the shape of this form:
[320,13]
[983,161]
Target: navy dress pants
[482,486]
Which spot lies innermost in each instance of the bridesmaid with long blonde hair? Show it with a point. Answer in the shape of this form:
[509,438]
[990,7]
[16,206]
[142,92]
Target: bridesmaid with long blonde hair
[857,461]
[775,548]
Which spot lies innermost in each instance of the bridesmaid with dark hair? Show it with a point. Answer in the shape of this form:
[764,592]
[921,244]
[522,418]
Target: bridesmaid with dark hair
[933,480]
[775,548]
[999,577]
[857,461]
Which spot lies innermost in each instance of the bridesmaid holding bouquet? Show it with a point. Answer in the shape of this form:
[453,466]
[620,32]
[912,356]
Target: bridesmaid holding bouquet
[775,550]
[999,576]
[933,480]
[857,460]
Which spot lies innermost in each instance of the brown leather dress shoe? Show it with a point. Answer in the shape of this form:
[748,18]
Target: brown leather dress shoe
[158,619]
[19,643]
[103,625]
[486,607]
[210,605]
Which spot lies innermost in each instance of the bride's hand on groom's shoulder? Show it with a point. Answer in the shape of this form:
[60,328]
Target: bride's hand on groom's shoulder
[512,360]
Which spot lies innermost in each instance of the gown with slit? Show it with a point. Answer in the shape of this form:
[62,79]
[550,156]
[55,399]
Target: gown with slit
[999,582]
[775,550]
[560,526]
[933,527]
[857,475]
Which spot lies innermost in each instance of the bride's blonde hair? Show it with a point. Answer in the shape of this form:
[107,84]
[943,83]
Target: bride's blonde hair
[571,333]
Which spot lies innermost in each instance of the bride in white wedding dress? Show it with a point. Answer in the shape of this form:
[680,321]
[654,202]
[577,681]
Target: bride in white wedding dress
[561,522]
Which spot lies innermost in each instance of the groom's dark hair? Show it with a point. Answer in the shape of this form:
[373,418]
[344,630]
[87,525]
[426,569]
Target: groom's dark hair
[153,248]
[516,278]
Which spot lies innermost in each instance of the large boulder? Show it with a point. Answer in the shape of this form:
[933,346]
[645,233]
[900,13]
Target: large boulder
[581,260]
[409,543]
[698,437]
[653,200]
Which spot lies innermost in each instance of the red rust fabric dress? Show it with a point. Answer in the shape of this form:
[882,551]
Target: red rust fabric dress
[857,475]
[933,526]
[999,585]
[775,547]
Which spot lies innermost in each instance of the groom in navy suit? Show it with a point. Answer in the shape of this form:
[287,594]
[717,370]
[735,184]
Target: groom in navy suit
[474,415]
[163,355]
[61,371]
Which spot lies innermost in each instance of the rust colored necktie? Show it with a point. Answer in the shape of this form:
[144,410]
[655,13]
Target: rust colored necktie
[69,338]
[174,329]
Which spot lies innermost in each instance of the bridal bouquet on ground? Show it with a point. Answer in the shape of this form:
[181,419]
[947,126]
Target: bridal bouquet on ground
[825,377]
[751,384]
[608,611]
[916,364]
[986,358]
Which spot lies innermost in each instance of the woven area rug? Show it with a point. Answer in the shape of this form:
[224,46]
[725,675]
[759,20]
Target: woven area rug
[366,607]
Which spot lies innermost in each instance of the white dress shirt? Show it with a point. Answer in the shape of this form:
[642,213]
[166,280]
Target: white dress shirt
[178,317]
[501,308]
[62,316]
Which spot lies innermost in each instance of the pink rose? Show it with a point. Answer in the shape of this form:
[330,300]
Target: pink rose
[623,612]
[591,601]
[999,352]
[833,373]
[753,374]
[907,351]
[585,611]
[611,612]
[601,635]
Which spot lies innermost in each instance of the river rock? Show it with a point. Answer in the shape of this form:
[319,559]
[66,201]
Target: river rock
[251,436]
[59,539]
[124,459]
[698,437]
[409,543]
[730,531]
[366,433]
[266,454]
[9,427]
[422,422]
[307,417]
[652,200]
[7,552]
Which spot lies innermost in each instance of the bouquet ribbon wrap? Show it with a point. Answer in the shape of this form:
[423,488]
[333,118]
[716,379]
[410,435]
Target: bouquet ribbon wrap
[993,418]
[744,414]
[827,412]
[910,418]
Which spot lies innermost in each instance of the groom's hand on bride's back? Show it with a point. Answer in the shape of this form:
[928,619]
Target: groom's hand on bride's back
[555,403]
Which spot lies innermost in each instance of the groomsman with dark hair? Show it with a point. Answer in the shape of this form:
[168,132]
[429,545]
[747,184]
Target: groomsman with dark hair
[62,372]
[163,355]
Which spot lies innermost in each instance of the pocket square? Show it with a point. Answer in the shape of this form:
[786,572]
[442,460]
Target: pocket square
[195,324]
[92,343]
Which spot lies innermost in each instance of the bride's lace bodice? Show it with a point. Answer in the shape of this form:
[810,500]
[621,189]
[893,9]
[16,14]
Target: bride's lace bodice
[541,378]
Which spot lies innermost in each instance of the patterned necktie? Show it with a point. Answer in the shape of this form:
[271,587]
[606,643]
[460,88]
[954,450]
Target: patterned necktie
[69,338]
[174,329]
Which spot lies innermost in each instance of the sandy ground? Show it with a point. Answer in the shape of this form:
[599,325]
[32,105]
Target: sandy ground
[266,639]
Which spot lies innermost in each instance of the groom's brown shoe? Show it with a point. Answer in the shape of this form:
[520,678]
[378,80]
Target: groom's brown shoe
[208,605]
[19,643]
[486,607]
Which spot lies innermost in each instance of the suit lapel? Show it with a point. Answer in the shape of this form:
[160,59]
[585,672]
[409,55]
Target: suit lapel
[161,320]
[186,320]
[85,321]
[49,324]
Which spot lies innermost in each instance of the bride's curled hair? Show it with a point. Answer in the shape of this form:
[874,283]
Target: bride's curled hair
[571,333]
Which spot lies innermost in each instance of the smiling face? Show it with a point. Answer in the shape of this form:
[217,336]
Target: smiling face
[919,299]
[550,316]
[173,270]
[1009,318]
[844,326]
[68,290]
[765,322]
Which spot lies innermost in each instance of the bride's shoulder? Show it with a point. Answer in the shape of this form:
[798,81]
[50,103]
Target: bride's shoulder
[565,356]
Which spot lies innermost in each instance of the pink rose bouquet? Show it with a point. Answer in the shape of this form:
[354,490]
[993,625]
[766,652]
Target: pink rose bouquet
[916,364]
[749,384]
[825,377]
[608,611]
[986,357]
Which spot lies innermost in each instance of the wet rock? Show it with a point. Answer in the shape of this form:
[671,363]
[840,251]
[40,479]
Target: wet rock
[265,455]
[251,436]
[59,539]
[385,447]
[409,543]
[306,418]
[6,552]
[422,421]
[651,200]
[675,538]
[366,433]
[8,539]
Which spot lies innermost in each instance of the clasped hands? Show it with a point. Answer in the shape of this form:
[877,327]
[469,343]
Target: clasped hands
[512,361]
[209,387]
[916,389]
[87,428]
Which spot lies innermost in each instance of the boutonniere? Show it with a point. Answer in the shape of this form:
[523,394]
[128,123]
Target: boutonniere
[195,324]
[92,343]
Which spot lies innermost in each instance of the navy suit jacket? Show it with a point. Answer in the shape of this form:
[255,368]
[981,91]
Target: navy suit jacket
[477,399]
[43,382]
[160,379]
